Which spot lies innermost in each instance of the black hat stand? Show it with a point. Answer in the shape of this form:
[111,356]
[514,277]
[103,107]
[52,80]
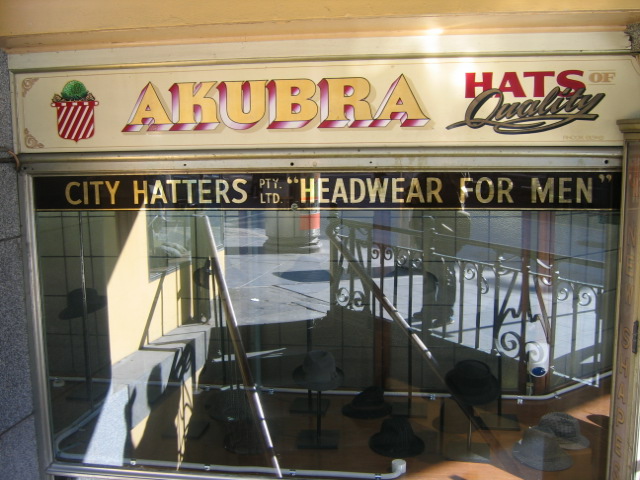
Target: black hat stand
[464,451]
[318,439]
[90,394]
[409,408]
[500,420]
[307,404]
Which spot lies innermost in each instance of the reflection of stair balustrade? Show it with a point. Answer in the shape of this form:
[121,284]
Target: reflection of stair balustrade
[505,298]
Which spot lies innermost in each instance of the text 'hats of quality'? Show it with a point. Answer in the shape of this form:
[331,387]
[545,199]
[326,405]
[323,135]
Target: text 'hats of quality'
[396,439]
[318,371]
[74,306]
[566,429]
[368,404]
[540,449]
[472,382]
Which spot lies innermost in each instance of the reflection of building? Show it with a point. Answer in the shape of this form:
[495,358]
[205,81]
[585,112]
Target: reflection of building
[146,372]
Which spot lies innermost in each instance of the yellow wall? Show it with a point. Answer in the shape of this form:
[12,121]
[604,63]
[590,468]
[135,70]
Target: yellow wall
[47,25]
[35,16]
[141,309]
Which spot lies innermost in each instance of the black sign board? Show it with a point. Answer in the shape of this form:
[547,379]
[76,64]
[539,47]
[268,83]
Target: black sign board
[576,190]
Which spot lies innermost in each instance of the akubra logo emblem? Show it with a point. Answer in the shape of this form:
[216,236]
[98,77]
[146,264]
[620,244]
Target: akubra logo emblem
[75,111]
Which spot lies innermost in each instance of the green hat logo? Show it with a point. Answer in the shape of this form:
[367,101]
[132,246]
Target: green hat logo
[74,91]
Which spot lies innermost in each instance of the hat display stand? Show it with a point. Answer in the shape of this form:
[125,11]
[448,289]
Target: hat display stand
[463,451]
[308,404]
[499,420]
[318,439]
[407,408]
[80,303]
[473,385]
[318,373]
[202,278]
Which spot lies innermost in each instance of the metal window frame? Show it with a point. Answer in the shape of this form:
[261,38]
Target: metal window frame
[195,161]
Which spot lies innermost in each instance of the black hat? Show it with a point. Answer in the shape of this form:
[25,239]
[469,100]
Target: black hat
[74,303]
[472,381]
[318,371]
[368,404]
[396,439]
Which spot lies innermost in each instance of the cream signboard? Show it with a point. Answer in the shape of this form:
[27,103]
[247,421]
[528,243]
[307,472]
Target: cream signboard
[426,102]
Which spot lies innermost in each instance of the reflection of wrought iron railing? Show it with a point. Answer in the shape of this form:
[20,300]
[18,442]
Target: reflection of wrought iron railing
[509,302]
[357,270]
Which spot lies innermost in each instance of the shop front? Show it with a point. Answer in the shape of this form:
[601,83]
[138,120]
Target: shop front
[368,266]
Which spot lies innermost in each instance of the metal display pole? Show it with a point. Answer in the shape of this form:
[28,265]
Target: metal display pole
[85,318]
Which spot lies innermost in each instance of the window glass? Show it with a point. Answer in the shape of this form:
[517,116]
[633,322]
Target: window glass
[332,322]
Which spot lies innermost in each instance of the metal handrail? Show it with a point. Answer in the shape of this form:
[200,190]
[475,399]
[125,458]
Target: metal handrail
[251,387]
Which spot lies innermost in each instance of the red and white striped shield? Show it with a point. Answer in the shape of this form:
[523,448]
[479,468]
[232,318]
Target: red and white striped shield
[75,119]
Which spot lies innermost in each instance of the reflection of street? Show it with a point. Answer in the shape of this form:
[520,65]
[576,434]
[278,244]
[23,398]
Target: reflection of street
[272,287]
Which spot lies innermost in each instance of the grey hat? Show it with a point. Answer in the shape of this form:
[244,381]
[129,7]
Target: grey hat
[540,449]
[318,371]
[566,429]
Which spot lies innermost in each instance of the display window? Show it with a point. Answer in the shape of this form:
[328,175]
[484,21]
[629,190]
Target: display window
[325,324]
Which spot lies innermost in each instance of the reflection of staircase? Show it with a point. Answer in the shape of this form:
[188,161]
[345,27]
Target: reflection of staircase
[416,343]
[505,304]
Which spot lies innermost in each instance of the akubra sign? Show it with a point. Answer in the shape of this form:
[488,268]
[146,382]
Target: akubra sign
[285,103]
[385,103]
